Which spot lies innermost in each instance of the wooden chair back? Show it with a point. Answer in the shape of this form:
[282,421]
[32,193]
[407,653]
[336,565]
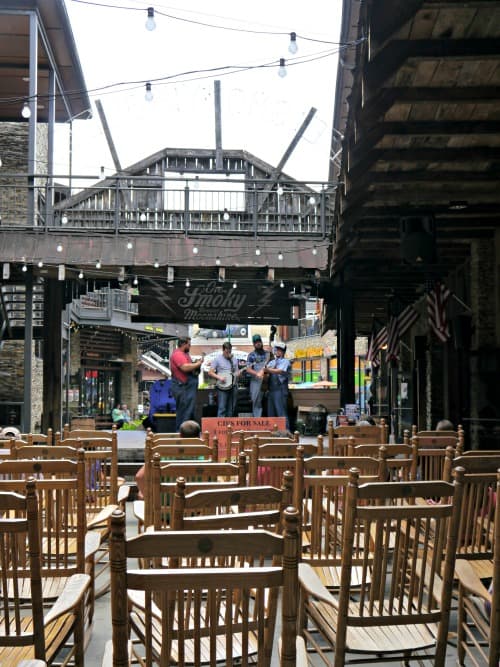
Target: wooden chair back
[217,604]
[237,508]
[269,461]
[87,433]
[430,459]
[196,474]
[378,434]
[235,440]
[340,446]
[39,438]
[400,459]
[408,592]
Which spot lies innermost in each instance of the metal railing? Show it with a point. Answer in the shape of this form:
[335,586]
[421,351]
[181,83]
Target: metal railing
[155,203]
[103,303]
[306,326]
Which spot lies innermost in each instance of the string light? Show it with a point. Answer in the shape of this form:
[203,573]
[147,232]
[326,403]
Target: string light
[150,22]
[280,256]
[26,111]
[257,251]
[282,284]
[196,183]
[311,201]
[226,215]
[59,247]
[143,217]
[130,245]
[188,282]
[149,93]
[135,281]
[98,264]
[280,190]
[156,264]
[217,261]
[195,250]
[40,264]
[24,268]
[80,275]
[235,285]
[292,47]
[64,219]
[282,68]
[314,250]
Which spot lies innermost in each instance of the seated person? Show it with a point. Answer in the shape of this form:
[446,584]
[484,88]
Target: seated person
[444,425]
[117,416]
[188,429]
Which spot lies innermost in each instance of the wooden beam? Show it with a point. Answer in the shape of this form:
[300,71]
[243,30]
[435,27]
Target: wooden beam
[218,126]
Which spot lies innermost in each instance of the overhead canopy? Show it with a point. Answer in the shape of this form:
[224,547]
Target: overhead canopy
[56,52]
[418,129]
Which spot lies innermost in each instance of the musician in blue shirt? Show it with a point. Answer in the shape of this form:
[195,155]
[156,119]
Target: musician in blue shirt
[224,370]
[256,361]
[279,371]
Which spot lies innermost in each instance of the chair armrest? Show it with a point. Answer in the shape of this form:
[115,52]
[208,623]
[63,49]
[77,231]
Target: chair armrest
[32,663]
[312,584]
[123,493]
[102,517]
[107,660]
[92,543]
[300,647]
[71,596]
[138,507]
[470,581]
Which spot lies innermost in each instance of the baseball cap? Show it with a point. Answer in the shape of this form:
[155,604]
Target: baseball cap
[256,338]
[281,346]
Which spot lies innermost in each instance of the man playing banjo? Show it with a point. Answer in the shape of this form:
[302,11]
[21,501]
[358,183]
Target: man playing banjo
[224,369]
[255,368]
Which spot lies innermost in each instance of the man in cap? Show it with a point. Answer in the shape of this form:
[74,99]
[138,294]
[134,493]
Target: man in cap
[256,362]
[224,369]
[279,370]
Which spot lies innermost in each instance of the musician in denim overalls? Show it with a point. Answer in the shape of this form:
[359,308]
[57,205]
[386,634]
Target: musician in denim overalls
[279,371]
[256,362]
[224,370]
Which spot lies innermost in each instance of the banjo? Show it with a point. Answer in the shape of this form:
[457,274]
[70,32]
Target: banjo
[227,382]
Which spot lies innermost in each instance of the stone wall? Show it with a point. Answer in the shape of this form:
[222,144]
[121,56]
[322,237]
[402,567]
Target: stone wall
[12,378]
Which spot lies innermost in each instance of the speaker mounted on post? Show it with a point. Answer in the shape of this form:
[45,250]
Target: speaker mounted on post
[418,239]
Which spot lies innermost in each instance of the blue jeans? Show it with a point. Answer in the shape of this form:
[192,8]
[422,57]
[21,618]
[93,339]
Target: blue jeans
[226,402]
[185,399]
[256,395]
[277,404]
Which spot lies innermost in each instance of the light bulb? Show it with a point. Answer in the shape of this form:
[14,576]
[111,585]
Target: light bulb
[282,284]
[292,47]
[24,268]
[80,275]
[282,68]
[149,94]
[312,201]
[195,250]
[150,22]
[64,219]
[257,251]
[196,183]
[235,285]
[314,250]
[188,283]
[280,256]
[217,261]
[40,264]
[143,217]
[102,172]
[1,163]
[156,264]
[226,215]
[98,264]
[26,111]
[59,247]
[280,190]
[136,281]
[130,245]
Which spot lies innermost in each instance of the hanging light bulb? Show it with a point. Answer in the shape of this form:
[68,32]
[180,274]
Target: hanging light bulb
[143,217]
[98,264]
[64,219]
[149,93]
[280,256]
[314,250]
[282,284]
[80,275]
[150,22]
[102,172]
[311,201]
[257,251]
[292,47]
[226,215]
[195,250]
[1,163]
[156,264]
[24,268]
[196,183]
[26,111]
[130,245]
[135,281]
[217,261]
[280,190]
[188,282]
[282,68]
[59,247]
[235,285]
[40,264]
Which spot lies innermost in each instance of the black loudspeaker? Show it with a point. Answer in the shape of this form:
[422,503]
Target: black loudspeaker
[461,327]
[138,376]
[419,348]
[418,239]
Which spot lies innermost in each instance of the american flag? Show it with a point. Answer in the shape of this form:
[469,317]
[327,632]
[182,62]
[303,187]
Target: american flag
[378,339]
[437,298]
[397,327]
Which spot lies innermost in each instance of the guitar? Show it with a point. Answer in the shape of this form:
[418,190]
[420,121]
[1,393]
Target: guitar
[265,379]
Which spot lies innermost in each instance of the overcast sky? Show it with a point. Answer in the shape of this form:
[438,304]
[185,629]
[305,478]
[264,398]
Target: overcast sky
[260,111]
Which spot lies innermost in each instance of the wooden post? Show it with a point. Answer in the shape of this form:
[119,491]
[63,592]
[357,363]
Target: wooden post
[219,162]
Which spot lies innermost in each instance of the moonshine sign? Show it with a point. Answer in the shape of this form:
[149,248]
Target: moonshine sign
[214,302]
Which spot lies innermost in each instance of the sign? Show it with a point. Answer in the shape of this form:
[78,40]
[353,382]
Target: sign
[217,426]
[214,302]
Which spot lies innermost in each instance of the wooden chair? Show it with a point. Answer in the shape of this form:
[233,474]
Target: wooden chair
[400,607]
[363,434]
[67,547]
[476,542]
[39,438]
[235,440]
[87,433]
[430,459]
[25,634]
[320,494]
[479,607]
[221,611]
[400,459]
[269,461]
[197,475]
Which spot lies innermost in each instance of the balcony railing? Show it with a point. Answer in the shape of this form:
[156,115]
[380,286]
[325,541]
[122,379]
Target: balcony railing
[104,304]
[149,204]
[306,326]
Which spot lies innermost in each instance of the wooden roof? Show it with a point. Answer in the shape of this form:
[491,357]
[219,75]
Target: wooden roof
[417,119]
